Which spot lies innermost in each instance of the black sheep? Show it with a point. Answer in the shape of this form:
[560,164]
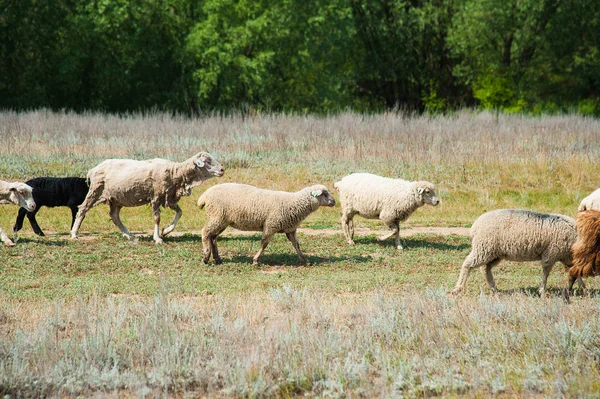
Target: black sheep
[51,192]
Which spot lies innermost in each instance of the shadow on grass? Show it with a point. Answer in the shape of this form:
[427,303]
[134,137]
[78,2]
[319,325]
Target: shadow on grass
[553,292]
[198,238]
[42,241]
[409,243]
[292,259]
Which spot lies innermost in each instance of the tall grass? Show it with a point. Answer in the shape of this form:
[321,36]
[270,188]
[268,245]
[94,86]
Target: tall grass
[302,343]
[479,161]
[384,143]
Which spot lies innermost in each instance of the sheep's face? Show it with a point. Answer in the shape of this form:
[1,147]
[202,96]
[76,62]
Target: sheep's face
[206,162]
[20,194]
[323,196]
[428,195]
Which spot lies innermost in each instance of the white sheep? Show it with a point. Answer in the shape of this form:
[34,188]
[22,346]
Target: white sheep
[126,182]
[590,202]
[19,194]
[521,236]
[390,200]
[250,208]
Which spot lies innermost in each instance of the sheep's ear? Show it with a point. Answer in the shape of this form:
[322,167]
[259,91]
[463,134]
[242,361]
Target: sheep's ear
[199,163]
[420,190]
[13,189]
[316,193]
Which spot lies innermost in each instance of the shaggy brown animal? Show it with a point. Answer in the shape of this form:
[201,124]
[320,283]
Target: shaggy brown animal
[586,250]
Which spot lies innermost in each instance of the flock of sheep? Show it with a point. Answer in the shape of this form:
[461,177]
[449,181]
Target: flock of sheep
[506,234]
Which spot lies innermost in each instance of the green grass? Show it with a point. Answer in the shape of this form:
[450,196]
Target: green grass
[108,264]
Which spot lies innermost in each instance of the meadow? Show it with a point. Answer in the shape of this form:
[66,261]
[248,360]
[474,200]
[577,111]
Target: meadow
[102,315]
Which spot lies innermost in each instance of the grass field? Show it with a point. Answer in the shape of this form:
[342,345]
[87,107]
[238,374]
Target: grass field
[102,315]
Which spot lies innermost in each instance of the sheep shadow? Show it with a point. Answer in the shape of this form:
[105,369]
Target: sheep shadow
[189,237]
[292,259]
[41,241]
[409,243]
[552,292]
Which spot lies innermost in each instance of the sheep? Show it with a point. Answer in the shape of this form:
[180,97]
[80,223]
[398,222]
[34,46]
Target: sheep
[51,192]
[586,250]
[592,201]
[129,183]
[390,200]
[250,208]
[518,235]
[19,194]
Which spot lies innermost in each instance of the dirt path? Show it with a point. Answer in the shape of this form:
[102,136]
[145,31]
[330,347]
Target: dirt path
[359,231]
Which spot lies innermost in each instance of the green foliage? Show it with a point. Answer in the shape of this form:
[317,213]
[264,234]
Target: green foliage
[303,56]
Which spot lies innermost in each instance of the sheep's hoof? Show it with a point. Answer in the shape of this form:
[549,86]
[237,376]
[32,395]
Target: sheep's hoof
[205,260]
[456,291]
[218,261]
[9,243]
[255,262]
[304,262]
[351,242]
[399,247]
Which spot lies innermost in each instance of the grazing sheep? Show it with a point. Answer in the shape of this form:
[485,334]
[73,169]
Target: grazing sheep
[586,250]
[19,194]
[51,192]
[592,201]
[518,235]
[390,200]
[126,182]
[249,208]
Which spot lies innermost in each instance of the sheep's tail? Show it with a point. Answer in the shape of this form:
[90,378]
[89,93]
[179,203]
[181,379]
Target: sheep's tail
[586,251]
[201,201]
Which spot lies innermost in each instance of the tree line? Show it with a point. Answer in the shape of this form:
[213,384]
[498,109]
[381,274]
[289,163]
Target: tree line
[321,56]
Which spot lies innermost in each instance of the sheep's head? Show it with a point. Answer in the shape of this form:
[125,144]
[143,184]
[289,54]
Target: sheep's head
[427,193]
[321,193]
[205,162]
[20,194]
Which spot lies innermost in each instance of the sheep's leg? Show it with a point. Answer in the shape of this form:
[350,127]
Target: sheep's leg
[292,237]
[546,269]
[34,225]
[19,222]
[156,214]
[469,263]
[348,226]
[207,246]
[116,218]
[7,241]
[215,250]
[171,227]
[489,277]
[264,242]
[73,214]
[209,241]
[213,245]
[91,199]
[394,225]
[569,287]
